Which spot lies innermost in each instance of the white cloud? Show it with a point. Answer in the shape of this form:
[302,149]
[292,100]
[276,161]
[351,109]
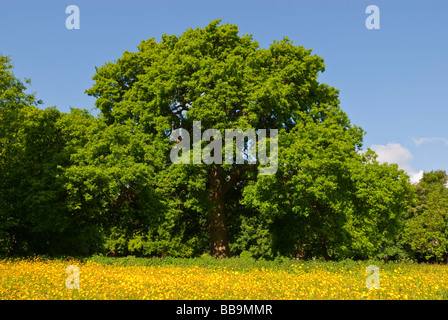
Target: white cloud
[415,177]
[432,139]
[396,153]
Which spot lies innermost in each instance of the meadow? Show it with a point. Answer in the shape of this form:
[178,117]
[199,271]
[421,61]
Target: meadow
[207,278]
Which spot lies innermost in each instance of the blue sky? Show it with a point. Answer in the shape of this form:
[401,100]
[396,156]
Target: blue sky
[393,81]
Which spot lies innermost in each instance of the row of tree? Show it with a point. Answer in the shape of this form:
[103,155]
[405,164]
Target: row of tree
[76,184]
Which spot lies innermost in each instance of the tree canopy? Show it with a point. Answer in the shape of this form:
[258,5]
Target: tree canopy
[224,80]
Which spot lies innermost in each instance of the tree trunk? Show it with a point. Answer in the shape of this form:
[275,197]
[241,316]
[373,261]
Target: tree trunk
[12,244]
[220,184]
[324,248]
[219,243]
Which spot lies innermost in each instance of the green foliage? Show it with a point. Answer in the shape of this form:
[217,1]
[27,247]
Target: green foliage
[327,199]
[253,238]
[247,264]
[33,151]
[426,231]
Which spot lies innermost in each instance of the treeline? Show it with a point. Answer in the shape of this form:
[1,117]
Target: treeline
[76,184]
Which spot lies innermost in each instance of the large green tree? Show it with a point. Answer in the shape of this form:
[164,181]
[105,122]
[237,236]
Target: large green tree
[224,80]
